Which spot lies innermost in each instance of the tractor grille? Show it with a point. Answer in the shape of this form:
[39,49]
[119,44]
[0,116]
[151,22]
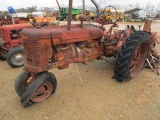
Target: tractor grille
[32,52]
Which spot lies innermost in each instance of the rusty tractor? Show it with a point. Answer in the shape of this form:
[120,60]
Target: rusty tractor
[57,47]
[11,47]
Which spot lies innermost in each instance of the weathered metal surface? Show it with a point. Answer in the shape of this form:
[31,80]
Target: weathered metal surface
[69,15]
[51,47]
[138,58]
[83,17]
[38,52]
[147,26]
[46,45]
[76,35]
[43,92]
[82,56]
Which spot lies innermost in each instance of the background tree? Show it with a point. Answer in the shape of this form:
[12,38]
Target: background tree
[46,9]
[137,5]
[32,9]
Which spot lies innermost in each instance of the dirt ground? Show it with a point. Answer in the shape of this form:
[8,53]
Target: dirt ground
[96,96]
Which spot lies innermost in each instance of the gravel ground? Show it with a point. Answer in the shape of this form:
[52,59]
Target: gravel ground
[96,96]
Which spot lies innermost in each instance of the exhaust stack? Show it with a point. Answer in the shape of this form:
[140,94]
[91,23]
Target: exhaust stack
[69,15]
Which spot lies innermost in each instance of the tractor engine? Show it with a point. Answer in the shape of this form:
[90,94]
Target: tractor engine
[47,47]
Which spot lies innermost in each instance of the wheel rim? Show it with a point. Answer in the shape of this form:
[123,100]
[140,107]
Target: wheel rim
[18,58]
[43,92]
[138,59]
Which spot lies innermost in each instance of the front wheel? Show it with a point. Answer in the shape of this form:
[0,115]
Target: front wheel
[40,89]
[131,56]
[16,57]
[21,82]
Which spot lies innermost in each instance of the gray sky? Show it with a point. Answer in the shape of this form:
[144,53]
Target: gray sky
[50,3]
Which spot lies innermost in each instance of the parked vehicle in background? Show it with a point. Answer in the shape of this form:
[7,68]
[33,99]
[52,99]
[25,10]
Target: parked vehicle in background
[111,13]
[11,47]
[63,12]
[88,13]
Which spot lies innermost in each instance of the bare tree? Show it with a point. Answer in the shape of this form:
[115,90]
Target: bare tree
[102,4]
[137,5]
[46,9]
[21,10]
[124,7]
[148,6]
[28,9]
[117,6]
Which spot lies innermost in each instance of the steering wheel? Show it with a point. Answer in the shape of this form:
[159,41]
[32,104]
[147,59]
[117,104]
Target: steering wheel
[110,13]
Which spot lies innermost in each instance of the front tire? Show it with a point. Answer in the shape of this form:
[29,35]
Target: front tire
[16,57]
[21,82]
[40,89]
[131,56]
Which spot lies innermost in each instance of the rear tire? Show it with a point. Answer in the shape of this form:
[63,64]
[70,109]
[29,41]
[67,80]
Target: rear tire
[131,56]
[16,57]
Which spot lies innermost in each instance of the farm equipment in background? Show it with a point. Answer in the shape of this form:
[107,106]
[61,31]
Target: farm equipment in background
[39,17]
[39,21]
[7,20]
[88,13]
[11,47]
[63,12]
[110,13]
[57,47]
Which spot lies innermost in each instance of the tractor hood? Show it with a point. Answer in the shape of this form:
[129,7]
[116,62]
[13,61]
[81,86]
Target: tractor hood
[60,35]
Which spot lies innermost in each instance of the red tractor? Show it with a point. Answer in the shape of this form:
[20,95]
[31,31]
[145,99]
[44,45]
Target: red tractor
[10,40]
[11,47]
[57,47]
